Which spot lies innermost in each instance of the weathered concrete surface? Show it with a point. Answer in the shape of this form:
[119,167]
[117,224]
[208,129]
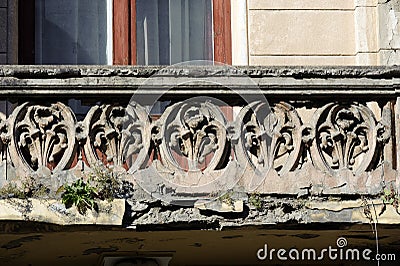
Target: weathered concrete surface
[340,145]
[148,213]
[272,81]
[53,211]
[269,211]
[352,211]
[70,71]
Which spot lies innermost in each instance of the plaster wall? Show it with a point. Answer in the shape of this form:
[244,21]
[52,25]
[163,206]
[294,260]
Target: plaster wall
[301,32]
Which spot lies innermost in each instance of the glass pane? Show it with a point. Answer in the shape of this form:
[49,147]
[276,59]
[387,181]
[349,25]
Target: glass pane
[173,31]
[71,32]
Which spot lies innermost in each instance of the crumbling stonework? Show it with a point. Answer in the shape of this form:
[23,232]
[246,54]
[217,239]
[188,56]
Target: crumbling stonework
[227,158]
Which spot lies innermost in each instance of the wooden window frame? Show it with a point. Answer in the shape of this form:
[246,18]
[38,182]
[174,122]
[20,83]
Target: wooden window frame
[124,32]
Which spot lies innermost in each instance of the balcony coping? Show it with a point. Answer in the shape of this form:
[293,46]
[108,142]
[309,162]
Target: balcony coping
[22,80]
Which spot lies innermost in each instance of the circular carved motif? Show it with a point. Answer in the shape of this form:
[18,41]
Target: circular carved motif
[345,138]
[117,135]
[269,137]
[42,136]
[193,136]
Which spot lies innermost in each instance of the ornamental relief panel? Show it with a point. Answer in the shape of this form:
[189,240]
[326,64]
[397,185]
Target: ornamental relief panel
[192,153]
[42,136]
[346,137]
[269,138]
[194,150]
[192,137]
[116,136]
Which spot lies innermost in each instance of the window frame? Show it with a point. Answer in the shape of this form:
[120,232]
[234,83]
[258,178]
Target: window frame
[124,32]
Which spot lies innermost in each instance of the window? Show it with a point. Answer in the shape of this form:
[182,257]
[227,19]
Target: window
[71,32]
[145,32]
[65,32]
[171,31]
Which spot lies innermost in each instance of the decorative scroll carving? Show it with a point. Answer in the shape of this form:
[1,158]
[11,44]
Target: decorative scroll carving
[193,132]
[42,136]
[117,135]
[269,138]
[193,159]
[196,154]
[346,137]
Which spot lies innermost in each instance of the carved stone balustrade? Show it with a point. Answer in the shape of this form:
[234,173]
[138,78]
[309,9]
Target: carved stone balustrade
[274,131]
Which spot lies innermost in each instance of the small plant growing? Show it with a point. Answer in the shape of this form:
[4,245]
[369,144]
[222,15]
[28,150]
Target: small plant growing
[32,188]
[390,197]
[256,201]
[227,199]
[27,187]
[102,184]
[373,222]
[106,182]
[367,211]
[80,194]
[11,190]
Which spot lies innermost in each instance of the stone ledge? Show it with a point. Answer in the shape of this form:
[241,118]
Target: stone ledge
[53,211]
[100,81]
[275,212]
[64,71]
[352,211]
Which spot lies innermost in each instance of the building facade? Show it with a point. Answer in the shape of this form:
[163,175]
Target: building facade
[122,162]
